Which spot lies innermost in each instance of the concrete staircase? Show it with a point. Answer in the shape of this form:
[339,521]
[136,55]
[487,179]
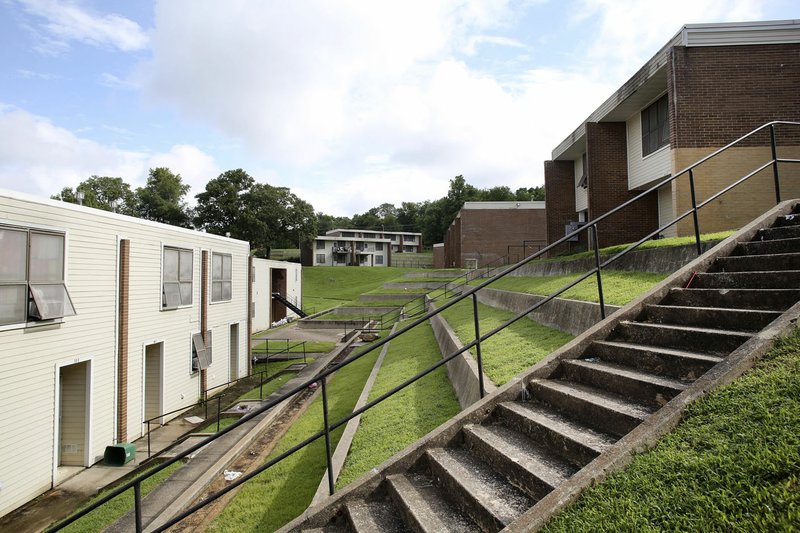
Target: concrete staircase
[495,464]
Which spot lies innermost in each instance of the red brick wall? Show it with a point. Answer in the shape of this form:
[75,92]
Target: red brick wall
[452,245]
[559,193]
[438,257]
[606,153]
[720,93]
[486,234]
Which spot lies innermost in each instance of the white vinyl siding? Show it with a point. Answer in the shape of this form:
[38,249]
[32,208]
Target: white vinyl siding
[581,196]
[32,356]
[644,171]
[665,210]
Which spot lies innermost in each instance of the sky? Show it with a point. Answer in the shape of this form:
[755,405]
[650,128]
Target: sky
[349,103]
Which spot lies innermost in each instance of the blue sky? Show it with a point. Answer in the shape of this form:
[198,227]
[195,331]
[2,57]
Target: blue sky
[348,103]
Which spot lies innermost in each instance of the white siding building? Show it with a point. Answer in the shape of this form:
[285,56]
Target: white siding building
[105,321]
[275,276]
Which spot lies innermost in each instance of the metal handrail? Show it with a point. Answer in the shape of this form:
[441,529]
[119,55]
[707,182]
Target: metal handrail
[591,226]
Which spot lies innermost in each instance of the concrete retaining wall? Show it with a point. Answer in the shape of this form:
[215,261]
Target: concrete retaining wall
[443,274]
[388,297]
[413,284]
[570,316]
[364,310]
[463,370]
[659,260]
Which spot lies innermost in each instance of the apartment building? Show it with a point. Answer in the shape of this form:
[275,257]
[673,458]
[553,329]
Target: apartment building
[106,321]
[488,233]
[350,251]
[401,241]
[707,86]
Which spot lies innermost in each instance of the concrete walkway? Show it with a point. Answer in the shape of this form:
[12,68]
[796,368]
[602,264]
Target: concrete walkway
[206,464]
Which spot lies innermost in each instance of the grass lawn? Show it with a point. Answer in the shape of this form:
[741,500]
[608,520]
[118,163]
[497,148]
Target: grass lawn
[619,288]
[343,284]
[114,509]
[408,415]
[732,464]
[375,303]
[285,490]
[224,422]
[510,351]
[412,292]
[658,243]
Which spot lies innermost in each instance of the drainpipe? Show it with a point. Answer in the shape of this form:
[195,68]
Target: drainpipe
[122,342]
[204,314]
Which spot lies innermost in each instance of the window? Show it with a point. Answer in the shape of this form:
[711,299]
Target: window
[369,235]
[379,246]
[221,265]
[378,259]
[32,276]
[655,126]
[584,181]
[321,245]
[409,238]
[176,289]
[201,351]
[320,259]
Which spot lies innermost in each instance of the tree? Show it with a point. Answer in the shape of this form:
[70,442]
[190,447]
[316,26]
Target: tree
[100,192]
[530,193]
[161,199]
[326,223]
[264,215]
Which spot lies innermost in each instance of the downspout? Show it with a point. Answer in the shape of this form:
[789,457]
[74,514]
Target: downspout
[204,317]
[122,339]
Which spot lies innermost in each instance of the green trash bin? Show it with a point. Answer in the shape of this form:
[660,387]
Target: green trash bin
[119,454]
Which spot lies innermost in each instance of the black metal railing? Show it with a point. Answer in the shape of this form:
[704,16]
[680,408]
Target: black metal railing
[285,348]
[591,228]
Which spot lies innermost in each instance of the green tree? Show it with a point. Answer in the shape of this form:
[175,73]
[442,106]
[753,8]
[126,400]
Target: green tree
[530,193]
[161,199]
[264,215]
[103,192]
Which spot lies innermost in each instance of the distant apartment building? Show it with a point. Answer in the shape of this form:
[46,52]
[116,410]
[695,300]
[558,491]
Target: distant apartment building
[351,251]
[490,233]
[355,247]
[401,241]
[710,84]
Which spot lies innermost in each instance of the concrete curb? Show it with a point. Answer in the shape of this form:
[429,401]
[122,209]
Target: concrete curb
[463,370]
[569,316]
[346,440]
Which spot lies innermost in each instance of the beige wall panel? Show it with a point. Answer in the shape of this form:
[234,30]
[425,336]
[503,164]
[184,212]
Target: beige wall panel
[742,204]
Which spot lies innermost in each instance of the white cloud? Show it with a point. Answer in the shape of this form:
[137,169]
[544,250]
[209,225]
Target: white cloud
[41,158]
[64,21]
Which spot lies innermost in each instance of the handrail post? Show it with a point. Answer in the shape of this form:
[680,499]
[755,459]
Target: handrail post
[775,163]
[599,275]
[261,386]
[694,213]
[481,387]
[327,436]
[219,401]
[148,438]
[137,506]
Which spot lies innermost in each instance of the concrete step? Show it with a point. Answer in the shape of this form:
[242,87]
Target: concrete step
[747,280]
[785,232]
[523,462]
[571,440]
[774,246]
[761,299]
[476,489]
[599,409]
[679,364]
[709,317]
[749,263]
[641,387]
[374,517]
[787,220]
[423,507]
[702,340]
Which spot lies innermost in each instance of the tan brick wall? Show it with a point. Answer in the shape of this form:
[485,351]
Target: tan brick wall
[742,204]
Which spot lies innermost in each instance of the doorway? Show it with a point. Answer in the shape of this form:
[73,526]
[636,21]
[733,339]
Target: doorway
[234,352]
[73,414]
[153,381]
[278,276]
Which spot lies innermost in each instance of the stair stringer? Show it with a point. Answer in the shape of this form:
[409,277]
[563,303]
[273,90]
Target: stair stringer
[641,438]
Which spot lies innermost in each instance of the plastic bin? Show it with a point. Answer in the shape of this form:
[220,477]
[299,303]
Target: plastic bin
[119,454]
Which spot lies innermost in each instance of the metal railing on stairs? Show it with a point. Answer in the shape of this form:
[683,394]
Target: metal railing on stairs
[591,229]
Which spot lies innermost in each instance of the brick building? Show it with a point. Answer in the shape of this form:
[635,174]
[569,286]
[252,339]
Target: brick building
[485,232]
[710,84]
